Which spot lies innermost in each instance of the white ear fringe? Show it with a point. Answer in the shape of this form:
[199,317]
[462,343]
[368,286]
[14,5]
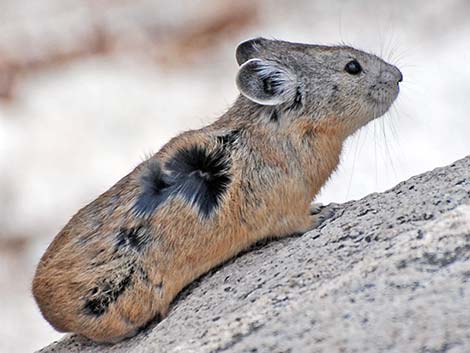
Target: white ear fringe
[284,80]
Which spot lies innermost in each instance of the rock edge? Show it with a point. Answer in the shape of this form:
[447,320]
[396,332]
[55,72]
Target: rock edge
[387,273]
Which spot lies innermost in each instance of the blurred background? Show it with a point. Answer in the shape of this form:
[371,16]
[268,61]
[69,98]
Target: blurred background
[88,88]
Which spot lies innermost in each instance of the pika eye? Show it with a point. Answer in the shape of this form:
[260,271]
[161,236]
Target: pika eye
[353,67]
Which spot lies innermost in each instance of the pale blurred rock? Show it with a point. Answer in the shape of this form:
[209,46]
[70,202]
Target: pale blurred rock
[387,273]
[51,33]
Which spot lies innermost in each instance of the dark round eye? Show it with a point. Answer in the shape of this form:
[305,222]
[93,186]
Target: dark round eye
[353,67]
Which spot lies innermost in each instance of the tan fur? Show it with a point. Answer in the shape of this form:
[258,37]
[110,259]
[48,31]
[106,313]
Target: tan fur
[276,170]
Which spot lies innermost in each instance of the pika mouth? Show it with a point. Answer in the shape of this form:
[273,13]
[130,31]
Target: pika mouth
[383,93]
[382,97]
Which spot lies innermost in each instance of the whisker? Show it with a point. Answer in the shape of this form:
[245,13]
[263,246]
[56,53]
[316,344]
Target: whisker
[387,150]
[354,163]
[375,155]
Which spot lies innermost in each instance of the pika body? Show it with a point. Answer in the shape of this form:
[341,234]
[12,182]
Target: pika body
[210,193]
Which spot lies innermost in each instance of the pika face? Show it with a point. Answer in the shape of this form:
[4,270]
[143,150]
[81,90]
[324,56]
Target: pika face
[321,82]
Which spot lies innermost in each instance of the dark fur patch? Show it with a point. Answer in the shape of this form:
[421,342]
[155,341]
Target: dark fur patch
[101,297]
[274,116]
[142,274]
[155,189]
[135,238]
[297,100]
[201,177]
[229,138]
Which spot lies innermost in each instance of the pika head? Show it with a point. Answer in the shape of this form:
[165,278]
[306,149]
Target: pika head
[336,84]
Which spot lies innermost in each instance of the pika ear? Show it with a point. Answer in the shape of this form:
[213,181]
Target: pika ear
[266,83]
[248,49]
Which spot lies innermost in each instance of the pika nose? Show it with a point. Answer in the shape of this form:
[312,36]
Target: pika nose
[397,74]
[400,76]
[392,74]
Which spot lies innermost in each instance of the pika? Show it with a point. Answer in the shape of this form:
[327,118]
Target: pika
[210,193]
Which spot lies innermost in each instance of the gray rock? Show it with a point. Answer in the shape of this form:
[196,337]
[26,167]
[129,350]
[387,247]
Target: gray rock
[388,273]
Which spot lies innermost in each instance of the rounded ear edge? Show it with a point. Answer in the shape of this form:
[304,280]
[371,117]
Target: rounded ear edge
[248,49]
[263,82]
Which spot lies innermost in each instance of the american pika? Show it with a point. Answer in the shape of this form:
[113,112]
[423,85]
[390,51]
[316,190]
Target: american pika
[210,193]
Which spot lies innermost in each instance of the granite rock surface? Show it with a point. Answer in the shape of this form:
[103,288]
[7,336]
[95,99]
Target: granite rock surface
[387,273]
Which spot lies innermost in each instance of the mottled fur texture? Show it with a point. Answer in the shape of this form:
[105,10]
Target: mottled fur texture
[208,194]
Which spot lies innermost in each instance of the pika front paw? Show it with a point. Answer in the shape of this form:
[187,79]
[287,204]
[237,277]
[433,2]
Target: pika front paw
[316,208]
[320,213]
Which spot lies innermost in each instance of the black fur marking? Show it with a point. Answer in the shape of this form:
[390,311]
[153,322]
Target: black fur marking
[297,100]
[229,139]
[274,117]
[201,177]
[156,187]
[103,296]
[136,238]
[143,275]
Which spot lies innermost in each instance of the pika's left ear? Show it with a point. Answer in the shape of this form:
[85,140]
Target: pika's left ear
[266,82]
